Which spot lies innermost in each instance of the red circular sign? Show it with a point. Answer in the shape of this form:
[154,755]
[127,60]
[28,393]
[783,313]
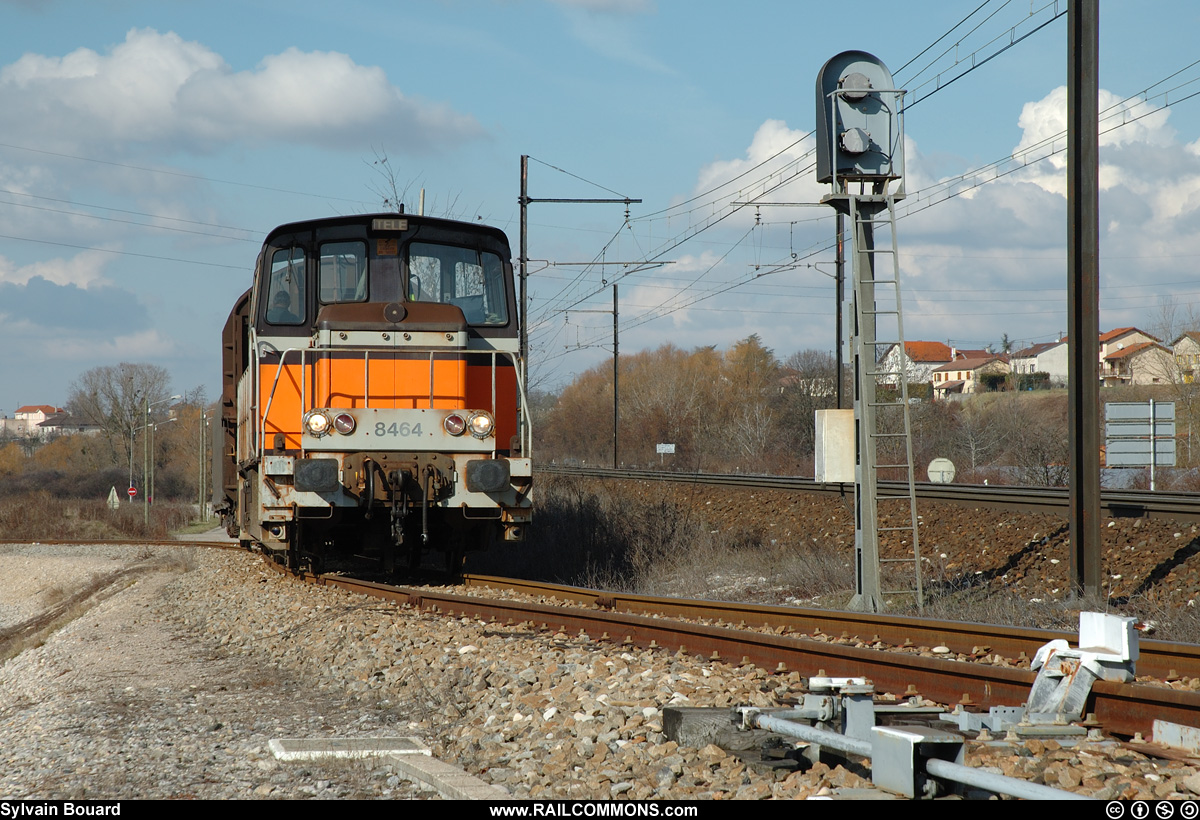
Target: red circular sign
[132,491]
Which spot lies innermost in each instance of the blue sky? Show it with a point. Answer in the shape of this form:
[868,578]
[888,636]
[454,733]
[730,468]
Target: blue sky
[149,146]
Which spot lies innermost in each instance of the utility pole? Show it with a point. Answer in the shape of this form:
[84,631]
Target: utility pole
[616,389]
[200,467]
[1083,291]
[525,201]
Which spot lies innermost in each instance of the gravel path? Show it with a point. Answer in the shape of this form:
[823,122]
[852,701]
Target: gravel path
[126,701]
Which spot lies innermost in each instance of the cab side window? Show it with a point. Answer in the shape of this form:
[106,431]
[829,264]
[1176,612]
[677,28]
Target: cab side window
[285,293]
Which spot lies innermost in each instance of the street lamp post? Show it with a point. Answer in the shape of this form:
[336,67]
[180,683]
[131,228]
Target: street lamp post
[201,466]
[146,445]
[150,485]
[132,435]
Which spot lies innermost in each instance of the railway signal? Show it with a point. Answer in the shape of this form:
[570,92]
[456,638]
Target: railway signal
[860,139]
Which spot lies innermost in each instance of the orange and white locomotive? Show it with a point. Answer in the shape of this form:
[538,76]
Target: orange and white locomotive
[373,397]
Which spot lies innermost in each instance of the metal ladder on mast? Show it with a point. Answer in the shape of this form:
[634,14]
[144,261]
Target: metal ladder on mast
[886,418]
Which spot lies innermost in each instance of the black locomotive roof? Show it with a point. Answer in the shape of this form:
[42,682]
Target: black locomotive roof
[449,226]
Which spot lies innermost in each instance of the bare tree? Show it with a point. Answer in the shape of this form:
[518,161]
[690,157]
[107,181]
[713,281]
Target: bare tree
[751,381]
[387,186]
[1179,327]
[809,384]
[395,196]
[115,398]
[1036,433]
[978,435]
[667,396]
[750,430]
[933,424]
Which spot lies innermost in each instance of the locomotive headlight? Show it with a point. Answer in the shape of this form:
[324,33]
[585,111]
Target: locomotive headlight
[481,424]
[344,423]
[316,422]
[455,424]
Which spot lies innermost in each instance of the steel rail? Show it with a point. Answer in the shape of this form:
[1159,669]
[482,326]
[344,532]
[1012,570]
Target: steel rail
[1159,659]
[1054,500]
[1124,708]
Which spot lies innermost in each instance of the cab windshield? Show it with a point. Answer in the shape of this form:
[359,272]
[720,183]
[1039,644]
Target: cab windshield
[471,279]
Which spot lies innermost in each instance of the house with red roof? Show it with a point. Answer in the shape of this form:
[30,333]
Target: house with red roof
[27,420]
[1121,338]
[1138,363]
[917,361]
[966,376]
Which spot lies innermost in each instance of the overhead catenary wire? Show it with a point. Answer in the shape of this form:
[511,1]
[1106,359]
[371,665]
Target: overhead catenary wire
[950,31]
[820,248]
[172,228]
[123,253]
[180,174]
[695,231]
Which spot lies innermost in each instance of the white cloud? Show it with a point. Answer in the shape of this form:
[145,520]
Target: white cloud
[160,90]
[84,270]
[145,345]
[1122,123]
[772,137]
[992,259]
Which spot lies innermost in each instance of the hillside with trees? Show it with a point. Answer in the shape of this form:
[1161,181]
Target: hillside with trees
[739,409]
[746,410]
[113,402]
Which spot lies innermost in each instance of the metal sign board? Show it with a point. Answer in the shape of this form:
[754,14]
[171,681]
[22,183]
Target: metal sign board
[1138,411]
[665,448]
[1136,453]
[1139,429]
[1140,434]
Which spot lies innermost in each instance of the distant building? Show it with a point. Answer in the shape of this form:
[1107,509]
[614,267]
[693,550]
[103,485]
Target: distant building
[1047,357]
[1121,338]
[1139,363]
[64,424]
[27,420]
[918,361]
[967,376]
[1187,355]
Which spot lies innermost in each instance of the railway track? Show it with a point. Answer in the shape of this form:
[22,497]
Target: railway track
[1054,500]
[893,651]
[816,643]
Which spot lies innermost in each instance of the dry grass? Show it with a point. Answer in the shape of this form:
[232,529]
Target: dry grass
[604,535]
[54,595]
[40,515]
[624,541]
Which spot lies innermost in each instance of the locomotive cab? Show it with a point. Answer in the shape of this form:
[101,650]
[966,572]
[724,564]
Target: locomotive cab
[378,407]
